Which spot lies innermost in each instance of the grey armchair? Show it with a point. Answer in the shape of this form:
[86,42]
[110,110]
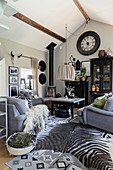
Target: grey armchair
[16,109]
[99,118]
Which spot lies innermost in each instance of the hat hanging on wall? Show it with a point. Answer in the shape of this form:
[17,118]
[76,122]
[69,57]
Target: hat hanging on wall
[42,66]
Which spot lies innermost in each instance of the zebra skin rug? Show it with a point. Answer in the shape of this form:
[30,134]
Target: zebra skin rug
[93,147]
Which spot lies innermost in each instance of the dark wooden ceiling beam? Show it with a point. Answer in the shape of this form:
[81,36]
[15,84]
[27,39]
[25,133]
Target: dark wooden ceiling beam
[38,26]
[77,3]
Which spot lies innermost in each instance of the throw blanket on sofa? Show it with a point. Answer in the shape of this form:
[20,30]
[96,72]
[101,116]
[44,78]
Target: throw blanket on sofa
[35,119]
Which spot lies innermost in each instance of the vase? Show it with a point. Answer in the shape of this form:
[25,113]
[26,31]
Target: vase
[69,93]
[109,52]
[93,88]
[82,78]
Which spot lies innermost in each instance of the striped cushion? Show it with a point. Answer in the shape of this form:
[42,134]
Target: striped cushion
[29,100]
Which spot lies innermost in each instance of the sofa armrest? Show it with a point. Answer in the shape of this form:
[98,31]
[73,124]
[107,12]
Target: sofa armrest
[11,110]
[99,111]
[37,101]
[21,117]
[80,111]
[89,111]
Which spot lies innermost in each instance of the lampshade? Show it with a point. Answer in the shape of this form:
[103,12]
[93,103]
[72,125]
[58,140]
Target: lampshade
[29,77]
[66,73]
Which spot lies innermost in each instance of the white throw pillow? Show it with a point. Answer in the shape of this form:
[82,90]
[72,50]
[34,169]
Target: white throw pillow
[109,104]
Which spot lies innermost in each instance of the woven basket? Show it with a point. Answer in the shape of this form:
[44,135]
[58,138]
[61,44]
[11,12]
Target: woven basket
[18,151]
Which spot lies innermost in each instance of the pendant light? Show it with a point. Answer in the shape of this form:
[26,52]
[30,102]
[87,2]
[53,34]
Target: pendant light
[66,72]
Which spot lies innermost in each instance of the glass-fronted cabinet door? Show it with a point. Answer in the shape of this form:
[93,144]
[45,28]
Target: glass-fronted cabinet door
[106,76]
[96,82]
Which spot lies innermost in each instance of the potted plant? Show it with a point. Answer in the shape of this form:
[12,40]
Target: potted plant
[69,89]
[83,72]
[93,87]
[97,88]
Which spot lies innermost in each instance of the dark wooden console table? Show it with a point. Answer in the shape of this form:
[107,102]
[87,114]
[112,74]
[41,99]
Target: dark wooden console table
[64,101]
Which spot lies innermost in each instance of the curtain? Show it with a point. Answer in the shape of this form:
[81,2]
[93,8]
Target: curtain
[1,54]
[35,75]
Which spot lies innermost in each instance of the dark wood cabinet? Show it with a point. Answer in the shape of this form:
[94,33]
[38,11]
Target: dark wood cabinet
[80,89]
[101,76]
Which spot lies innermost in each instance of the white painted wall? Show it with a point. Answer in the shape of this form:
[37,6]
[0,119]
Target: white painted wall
[106,35]
[105,32]
[7,47]
[2,78]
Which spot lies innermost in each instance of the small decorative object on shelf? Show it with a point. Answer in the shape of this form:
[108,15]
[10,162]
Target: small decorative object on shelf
[83,72]
[97,88]
[93,87]
[109,52]
[101,53]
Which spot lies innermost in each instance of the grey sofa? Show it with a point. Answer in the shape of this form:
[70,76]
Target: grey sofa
[16,109]
[100,118]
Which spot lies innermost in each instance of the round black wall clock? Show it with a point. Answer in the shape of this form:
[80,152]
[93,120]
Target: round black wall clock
[88,43]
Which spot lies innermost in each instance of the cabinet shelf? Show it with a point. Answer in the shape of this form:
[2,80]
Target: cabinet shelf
[101,74]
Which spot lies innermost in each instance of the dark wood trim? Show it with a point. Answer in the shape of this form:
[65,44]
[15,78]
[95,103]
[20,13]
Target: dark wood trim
[77,3]
[38,26]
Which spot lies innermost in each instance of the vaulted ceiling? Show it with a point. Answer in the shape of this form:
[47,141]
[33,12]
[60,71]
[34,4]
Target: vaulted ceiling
[54,15]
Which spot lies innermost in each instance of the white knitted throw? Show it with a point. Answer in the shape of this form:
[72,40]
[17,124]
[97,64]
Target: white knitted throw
[35,119]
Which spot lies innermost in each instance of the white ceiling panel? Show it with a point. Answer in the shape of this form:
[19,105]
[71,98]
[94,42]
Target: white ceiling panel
[54,15]
[51,14]
[99,10]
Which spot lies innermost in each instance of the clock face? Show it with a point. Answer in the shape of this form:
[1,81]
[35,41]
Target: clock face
[88,43]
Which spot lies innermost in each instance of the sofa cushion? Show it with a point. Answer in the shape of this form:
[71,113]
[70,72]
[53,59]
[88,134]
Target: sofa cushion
[37,101]
[109,104]
[99,103]
[29,100]
[19,104]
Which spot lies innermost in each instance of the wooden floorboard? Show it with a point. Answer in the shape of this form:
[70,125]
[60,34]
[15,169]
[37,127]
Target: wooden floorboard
[4,156]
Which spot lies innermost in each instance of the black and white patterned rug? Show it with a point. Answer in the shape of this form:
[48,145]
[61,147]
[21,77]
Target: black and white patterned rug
[92,147]
[45,159]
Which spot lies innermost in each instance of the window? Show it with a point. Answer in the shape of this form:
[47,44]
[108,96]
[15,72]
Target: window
[24,81]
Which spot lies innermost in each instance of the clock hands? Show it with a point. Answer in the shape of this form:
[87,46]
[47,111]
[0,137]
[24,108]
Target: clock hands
[88,43]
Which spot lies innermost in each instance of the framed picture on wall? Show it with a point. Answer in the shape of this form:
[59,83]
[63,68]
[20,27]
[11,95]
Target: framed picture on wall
[22,83]
[13,79]
[13,90]
[87,65]
[13,70]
